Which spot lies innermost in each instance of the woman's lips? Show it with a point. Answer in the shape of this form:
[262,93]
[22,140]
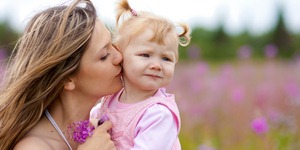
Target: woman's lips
[120,74]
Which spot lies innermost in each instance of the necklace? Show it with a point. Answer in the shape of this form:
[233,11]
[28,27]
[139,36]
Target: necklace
[57,128]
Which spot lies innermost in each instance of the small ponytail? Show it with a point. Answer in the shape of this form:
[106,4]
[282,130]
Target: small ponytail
[123,7]
[184,37]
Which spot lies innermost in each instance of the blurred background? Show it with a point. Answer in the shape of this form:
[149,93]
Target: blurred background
[237,84]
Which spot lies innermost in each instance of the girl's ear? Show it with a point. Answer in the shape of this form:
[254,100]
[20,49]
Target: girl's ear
[69,84]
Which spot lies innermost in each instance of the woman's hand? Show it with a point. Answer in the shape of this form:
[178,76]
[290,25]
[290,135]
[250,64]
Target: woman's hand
[100,140]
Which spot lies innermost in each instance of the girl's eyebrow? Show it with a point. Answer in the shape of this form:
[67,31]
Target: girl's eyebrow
[145,49]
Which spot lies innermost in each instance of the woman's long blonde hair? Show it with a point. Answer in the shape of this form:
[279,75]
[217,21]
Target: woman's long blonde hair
[48,52]
[131,23]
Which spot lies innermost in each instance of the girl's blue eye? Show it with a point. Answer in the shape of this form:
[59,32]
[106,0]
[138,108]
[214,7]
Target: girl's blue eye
[166,59]
[145,55]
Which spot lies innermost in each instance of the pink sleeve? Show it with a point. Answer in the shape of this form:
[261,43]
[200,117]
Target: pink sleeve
[157,129]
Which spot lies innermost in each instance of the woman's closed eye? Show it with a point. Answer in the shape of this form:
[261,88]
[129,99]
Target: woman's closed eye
[103,58]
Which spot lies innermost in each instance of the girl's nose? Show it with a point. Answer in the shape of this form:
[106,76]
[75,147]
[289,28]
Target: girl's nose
[155,66]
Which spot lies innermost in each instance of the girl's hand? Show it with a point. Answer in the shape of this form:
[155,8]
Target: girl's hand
[100,139]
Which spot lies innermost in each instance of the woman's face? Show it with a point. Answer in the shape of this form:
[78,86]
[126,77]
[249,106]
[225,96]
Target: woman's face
[100,71]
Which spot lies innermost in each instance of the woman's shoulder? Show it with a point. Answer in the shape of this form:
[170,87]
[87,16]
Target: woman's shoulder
[32,143]
[37,138]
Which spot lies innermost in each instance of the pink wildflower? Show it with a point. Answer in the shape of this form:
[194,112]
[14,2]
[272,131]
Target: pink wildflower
[79,131]
[260,125]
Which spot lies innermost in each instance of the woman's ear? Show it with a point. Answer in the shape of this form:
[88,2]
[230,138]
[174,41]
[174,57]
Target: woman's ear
[69,84]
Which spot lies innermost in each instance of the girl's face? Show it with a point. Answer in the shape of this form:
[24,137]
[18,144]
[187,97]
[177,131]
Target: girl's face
[148,65]
[100,71]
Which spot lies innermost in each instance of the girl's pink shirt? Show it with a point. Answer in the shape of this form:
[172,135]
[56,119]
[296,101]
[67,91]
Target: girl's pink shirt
[157,128]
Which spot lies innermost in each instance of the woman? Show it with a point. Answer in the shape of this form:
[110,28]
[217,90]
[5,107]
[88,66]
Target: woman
[62,65]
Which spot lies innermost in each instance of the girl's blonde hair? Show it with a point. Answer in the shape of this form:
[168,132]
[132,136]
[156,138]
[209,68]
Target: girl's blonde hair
[48,52]
[134,23]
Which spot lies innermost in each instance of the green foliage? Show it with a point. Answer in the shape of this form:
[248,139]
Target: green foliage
[8,37]
[214,45]
[217,45]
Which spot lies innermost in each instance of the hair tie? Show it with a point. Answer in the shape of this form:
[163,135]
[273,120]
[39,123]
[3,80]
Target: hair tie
[133,12]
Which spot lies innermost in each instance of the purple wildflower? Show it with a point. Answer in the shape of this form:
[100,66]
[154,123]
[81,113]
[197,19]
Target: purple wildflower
[260,125]
[292,89]
[245,52]
[237,94]
[271,50]
[194,52]
[202,68]
[205,147]
[79,131]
